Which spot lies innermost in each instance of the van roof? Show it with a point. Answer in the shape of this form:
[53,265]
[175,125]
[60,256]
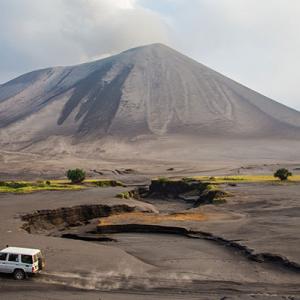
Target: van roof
[17,250]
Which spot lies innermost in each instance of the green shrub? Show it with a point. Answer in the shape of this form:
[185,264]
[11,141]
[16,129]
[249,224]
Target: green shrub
[282,174]
[128,194]
[76,175]
[163,179]
[124,195]
[211,187]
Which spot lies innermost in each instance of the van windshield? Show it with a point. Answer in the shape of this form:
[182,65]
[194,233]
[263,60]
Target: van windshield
[27,259]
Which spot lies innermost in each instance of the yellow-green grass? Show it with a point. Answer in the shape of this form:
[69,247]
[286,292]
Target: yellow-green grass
[53,185]
[244,178]
[95,181]
[29,187]
[104,182]
[124,195]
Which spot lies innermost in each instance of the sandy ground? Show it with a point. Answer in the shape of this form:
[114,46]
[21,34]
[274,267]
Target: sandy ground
[156,266]
[192,259]
[205,291]
[207,157]
[271,223]
[62,255]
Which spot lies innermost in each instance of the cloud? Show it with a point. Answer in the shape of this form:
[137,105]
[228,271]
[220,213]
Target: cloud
[61,32]
[255,42]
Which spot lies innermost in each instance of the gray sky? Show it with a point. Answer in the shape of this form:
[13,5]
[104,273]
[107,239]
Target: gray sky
[256,42]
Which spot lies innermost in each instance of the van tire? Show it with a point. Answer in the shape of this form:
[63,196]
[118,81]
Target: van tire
[19,274]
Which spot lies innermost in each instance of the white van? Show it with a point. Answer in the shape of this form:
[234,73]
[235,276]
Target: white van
[21,261]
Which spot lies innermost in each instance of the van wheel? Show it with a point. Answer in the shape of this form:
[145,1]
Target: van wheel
[19,274]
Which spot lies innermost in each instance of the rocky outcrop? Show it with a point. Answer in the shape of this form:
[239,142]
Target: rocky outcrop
[211,196]
[164,187]
[61,218]
[189,190]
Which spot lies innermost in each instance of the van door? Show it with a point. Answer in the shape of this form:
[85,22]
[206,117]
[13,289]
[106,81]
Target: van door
[12,262]
[27,263]
[3,257]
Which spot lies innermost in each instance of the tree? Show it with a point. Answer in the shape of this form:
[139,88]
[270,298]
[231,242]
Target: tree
[76,175]
[283,174]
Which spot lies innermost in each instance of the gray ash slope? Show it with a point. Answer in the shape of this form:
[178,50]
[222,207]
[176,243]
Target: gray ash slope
[146,90]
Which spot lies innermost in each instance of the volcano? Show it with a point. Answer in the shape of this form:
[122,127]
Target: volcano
[149,91]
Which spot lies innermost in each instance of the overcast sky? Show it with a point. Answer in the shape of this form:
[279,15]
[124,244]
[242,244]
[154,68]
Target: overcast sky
[256,42]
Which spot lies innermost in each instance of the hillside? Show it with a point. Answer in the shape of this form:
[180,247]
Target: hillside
[149,93]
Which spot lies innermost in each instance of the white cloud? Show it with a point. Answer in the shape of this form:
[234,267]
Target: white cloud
[61,32]
[256,42]
[111,26]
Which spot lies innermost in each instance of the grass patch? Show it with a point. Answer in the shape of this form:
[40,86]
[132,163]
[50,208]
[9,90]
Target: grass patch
[33,186]
[211,187]
[124,195]
[133,194]
[53,185]
[244,178]
[105,183]
[92,182]
[213,195]
[163,179]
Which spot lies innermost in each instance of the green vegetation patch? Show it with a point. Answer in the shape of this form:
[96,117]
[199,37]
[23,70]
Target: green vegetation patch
[33,186]
[124,195]
[213,195]
[243,178]
[105,182]
[283,174]
[163,179]
[76,175]
[54,185]
[133,194]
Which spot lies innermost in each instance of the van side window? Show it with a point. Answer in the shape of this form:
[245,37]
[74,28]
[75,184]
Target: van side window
[3,256]
[26,259]
[13,257]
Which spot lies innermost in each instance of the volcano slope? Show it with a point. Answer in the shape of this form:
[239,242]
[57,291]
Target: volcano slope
[151,101]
